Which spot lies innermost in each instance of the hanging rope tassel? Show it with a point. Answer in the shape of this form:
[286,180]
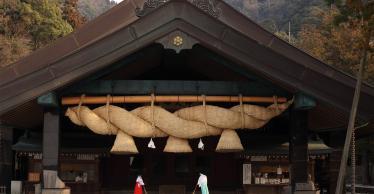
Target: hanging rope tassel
[201,144]
[241,111]
[151,144]
[275,98]
[79,107]
[109,128]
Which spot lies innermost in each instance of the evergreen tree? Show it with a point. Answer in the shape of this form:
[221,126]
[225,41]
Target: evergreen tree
[26,25]
[44,21]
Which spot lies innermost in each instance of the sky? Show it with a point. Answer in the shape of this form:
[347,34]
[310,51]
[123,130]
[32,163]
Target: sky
[118,1]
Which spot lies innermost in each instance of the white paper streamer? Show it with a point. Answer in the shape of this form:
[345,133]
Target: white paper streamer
[151,144]
[201,145]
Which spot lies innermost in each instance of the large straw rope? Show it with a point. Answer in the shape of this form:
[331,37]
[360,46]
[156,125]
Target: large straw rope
[186,123]
[124,120]
[254,117]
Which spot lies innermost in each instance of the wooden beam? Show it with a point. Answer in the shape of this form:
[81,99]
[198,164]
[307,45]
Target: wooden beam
[173,87]
[145,99]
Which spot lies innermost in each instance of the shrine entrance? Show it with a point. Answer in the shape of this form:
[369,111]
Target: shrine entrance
[168,92]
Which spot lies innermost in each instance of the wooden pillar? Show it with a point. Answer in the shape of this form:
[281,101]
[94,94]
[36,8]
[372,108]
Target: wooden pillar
[6,156]
[51,139]
[51,130]
[298,150]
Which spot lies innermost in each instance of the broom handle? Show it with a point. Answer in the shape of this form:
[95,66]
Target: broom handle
[145,191]
[194,190]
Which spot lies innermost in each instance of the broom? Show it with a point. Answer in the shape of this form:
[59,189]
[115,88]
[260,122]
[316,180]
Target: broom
[194,190]
[145,191]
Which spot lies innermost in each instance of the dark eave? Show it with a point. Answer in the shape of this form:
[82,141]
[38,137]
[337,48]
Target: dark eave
[120,32]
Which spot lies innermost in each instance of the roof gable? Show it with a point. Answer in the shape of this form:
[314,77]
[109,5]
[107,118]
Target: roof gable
[121,32]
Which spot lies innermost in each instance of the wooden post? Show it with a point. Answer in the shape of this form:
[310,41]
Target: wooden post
[6,156]
[351,124]
[51,139]
[298,150]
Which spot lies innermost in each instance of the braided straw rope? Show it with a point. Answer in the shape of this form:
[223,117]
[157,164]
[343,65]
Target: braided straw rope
[186,123]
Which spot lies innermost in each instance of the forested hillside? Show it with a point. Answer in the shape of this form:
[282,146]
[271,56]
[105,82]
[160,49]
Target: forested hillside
[93,8]
[275,15]
[27,25]
[329,30]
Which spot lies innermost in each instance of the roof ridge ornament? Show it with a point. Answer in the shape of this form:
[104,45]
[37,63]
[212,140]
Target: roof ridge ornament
[178,41]
[148,6]
[208,6]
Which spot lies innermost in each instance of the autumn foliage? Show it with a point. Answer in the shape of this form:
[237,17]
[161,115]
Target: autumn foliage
[339,45]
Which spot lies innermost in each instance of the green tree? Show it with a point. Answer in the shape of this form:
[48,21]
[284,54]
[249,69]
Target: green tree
[26,25]
[44,21]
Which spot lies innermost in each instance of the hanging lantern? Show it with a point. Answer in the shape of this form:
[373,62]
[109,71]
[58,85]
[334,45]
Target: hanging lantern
[177,145]
[229,142]
[124,144]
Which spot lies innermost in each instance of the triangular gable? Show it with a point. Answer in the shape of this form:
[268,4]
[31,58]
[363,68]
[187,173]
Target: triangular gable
[121,32]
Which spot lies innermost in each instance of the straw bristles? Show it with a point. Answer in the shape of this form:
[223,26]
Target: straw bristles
[92,121]
[72,114]
[177,145]
[124,144]
[229,142]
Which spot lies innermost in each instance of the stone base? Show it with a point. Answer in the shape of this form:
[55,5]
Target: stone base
[55,191]
[305,188]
